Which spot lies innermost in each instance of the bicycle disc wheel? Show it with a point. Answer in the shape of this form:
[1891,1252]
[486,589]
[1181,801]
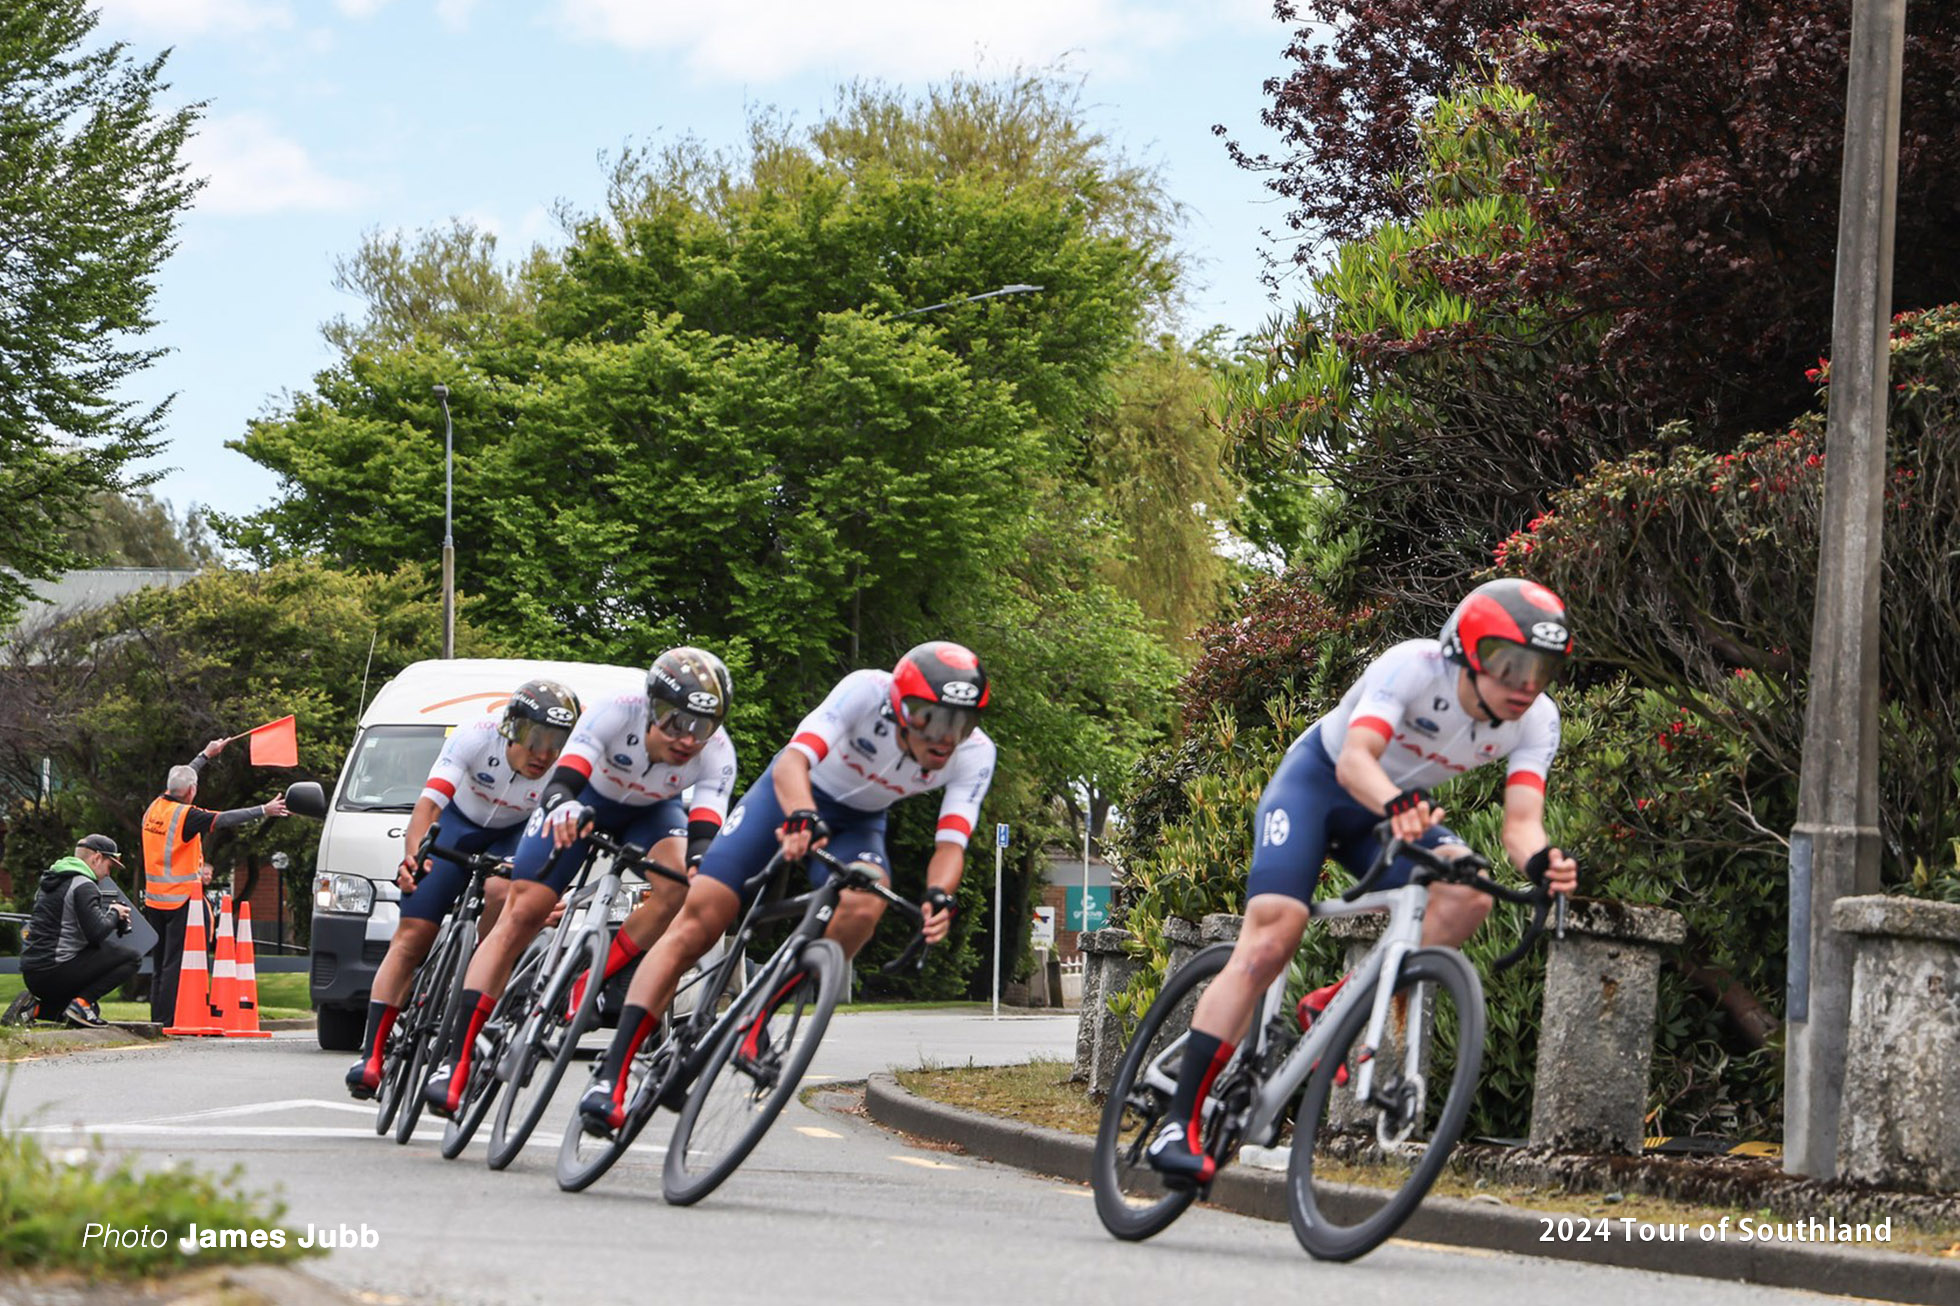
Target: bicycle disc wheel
[1406,1130]
[480,1094]
[543,1052]
[751,1073]
[1131,1198]
[583,1157]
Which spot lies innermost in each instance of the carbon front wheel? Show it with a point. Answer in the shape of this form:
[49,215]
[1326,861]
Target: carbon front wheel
[1132,1199]
[547,1041]
[1406,1128]
[752,1072]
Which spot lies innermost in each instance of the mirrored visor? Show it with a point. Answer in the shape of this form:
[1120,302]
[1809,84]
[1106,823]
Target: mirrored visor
[539,737]
[1518,667]
[675,722]
[939,723]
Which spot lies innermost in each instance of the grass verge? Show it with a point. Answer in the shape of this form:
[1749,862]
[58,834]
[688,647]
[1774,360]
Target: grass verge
[57,1207]
[1041,1093]
[282,996]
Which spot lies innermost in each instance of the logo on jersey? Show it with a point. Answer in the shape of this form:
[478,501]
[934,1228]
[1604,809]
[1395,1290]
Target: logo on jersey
[632,741]
[1550,634]
[865,746]
[1423,725]
[734,822]
[484,777]
[1439,704]
[1275,828]
[622,759]
[959,693]
[701,700]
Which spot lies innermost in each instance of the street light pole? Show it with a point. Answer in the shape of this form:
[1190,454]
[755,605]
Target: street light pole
[1834,846]
[448,539]
[1016,289]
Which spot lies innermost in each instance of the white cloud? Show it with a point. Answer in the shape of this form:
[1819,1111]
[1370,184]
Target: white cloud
[767,40]
[360,8]
[455,14]
[254,170]
[178,18]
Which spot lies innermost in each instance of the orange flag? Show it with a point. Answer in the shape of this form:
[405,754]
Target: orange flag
[275,743]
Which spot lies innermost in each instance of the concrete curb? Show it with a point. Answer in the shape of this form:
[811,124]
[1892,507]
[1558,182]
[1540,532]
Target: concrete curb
[1247,1190]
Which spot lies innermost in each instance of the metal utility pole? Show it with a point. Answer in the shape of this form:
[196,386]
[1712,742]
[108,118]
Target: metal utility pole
[1016,289]
[1835,845]
[448,539]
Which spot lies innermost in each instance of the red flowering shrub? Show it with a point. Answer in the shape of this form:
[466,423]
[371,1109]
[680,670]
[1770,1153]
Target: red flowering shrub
[1683,568]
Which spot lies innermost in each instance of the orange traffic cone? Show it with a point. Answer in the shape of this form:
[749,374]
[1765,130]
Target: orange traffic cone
[193,1014]
[245,1021]
[224,969]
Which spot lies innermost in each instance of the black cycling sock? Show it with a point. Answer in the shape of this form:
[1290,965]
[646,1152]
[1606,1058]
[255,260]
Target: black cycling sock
[1204,1057]
[633,1025]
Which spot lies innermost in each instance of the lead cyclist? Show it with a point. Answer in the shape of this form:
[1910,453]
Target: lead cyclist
[1422,713]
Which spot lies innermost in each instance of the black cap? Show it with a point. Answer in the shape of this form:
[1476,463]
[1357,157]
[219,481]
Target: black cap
[103,844]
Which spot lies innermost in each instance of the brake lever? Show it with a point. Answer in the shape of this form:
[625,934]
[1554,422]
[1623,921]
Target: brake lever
[913,957]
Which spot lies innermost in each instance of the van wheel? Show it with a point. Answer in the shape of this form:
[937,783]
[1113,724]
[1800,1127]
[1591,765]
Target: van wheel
[340,1028]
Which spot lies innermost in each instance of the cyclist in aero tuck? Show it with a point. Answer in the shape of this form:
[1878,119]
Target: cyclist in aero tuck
[624,772]
[878,737]
[1424,711]
[484,786]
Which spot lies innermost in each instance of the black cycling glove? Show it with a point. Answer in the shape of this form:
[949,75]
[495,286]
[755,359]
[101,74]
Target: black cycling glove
[805,821]
[938,899]
[1538,865]
[1405,802]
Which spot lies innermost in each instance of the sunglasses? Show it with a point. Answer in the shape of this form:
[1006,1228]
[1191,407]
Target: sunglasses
[938,723]
[676,722]
[540,738]
[1516,667]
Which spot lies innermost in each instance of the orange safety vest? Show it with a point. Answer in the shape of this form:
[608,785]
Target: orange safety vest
[170,861]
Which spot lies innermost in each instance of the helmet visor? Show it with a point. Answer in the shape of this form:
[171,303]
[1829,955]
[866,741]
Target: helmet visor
[1518,667]
[676,722]
[939,723]
[537,736]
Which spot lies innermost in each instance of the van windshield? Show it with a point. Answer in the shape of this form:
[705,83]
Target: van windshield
[389,766]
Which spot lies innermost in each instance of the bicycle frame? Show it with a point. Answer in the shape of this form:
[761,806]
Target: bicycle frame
[1262,1118]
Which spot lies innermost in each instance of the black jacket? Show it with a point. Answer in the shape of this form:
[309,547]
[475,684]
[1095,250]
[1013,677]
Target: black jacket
[69,917]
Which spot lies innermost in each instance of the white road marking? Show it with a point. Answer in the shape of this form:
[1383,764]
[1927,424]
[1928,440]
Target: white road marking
[812,1131]
[924,1164]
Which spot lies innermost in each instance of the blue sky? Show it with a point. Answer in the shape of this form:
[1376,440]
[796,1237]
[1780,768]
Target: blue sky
[330,118]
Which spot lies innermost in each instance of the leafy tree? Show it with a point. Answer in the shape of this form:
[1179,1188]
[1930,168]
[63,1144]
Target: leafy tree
[91,184]
[714,417]
[1690,210]
[117,696]
[137,530]
[445,282]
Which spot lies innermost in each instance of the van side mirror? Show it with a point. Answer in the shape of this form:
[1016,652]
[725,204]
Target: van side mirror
[306,798]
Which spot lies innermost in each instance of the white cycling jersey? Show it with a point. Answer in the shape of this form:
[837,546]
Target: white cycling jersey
[1408,696]
[609,749]
[852,743]
[473,773]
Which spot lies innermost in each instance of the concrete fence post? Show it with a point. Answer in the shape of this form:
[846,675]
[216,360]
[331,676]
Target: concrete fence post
[1596,1032]
[1899,1125]
[1107,967]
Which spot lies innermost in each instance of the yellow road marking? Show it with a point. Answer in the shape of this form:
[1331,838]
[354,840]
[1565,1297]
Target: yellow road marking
[812,1131]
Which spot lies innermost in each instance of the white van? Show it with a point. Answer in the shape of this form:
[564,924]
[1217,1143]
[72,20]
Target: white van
[356,905]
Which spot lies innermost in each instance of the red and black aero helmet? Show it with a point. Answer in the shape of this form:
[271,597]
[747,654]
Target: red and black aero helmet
[938,690]
[1514,630]
[688,691]
[540,715]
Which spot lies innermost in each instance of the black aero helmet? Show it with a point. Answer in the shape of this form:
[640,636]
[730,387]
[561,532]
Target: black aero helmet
[540,716]
[939,689]
[1514,630]
[688,691]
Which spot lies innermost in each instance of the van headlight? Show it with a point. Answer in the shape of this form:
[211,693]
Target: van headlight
[350,895]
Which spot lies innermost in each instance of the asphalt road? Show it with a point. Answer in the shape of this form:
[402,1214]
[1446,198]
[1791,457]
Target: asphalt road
[830,1207]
